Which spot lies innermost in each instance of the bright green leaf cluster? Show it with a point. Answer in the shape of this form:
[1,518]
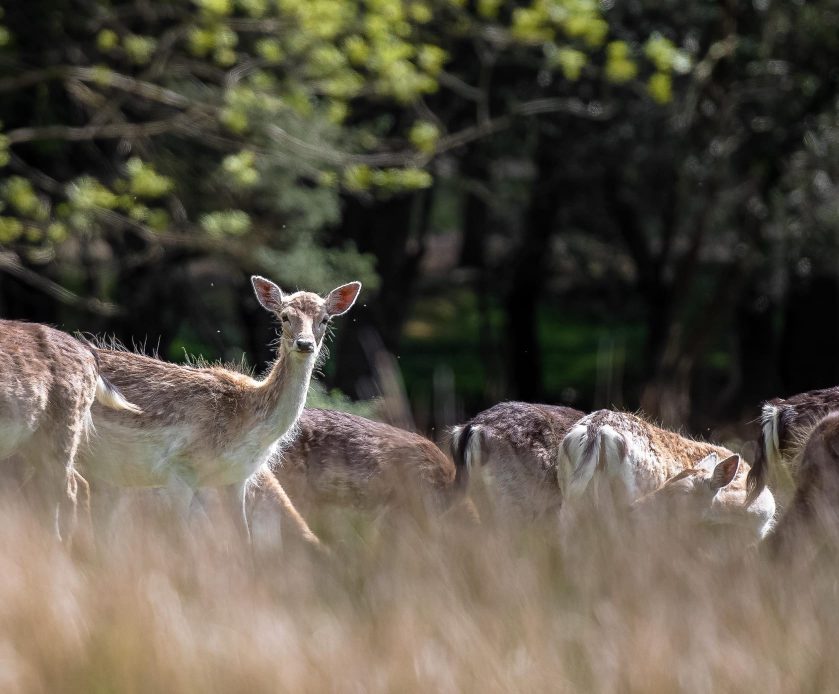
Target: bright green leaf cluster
[665,56]
[144,181]
[620,67]
[240,168]
[424,136]
[360,177]
[107,40]
[139,49]
[22,198]
[226,223]
[659,87]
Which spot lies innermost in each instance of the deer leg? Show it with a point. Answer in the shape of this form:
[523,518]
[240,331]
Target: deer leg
[265,480]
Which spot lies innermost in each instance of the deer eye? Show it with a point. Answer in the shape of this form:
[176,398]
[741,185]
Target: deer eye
[284,318]
[324,320]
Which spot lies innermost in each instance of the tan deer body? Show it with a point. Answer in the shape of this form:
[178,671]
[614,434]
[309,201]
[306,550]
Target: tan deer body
[209,426]
[517,445]
[628,452]
[48,382]
[631,458]
[341,458]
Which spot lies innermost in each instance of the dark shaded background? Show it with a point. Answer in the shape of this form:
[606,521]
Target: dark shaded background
[584,238]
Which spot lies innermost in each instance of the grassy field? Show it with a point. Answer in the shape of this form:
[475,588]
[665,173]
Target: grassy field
[405,603]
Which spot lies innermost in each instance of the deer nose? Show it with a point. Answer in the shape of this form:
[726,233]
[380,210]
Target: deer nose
[304,344]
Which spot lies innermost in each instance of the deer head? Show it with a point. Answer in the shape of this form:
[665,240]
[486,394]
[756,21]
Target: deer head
[303,316]
[697,491]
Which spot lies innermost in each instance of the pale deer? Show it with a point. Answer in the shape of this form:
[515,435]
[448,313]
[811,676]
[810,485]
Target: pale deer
[784,424]
[714,491]
[626,454]
[813,514]
[48,382]
[211,426]
[517,444]
[343,459]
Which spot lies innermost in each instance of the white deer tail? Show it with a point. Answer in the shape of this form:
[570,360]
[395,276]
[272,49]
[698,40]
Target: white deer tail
[580,453]
[466,452]
[108,395]
[577,460]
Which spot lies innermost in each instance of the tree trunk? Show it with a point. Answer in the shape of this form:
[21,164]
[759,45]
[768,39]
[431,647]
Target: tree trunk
[393,231]
[530,269]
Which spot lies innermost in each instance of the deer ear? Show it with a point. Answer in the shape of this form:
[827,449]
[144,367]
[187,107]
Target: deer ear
[725,472]
[341,299]
[708,463]
[270,296]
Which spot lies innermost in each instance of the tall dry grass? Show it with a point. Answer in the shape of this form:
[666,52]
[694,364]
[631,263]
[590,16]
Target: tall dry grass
[403,603]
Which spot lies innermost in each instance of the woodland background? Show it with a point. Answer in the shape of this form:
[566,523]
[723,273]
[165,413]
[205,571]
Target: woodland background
[590,203]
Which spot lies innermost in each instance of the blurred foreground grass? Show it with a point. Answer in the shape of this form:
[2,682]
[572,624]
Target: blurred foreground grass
[404,603]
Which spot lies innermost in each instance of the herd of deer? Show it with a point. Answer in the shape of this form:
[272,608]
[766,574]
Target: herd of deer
[77,412]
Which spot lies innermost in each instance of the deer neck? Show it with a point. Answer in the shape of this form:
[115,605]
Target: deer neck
[280,397]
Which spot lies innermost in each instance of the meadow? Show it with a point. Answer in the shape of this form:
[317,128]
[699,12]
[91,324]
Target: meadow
[406,602]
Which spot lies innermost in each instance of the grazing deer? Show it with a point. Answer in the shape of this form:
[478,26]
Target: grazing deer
[517,444]
[341,458]
[715,491]
[633,456]
[210,426]
[814,509]
[784,423]
[48,382]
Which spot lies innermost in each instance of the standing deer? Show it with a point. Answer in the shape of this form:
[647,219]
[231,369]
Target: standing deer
[517,444]
[341,458]
[210,426]
[784,424]
[48,382]
[714,491]
[813,514]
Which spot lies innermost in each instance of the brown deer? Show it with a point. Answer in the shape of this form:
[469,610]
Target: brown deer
[813,514]
[340,458]
[626,452]
[48,382]
[784,424]
[517,444]
[713,491]
[627,457]
[211,426]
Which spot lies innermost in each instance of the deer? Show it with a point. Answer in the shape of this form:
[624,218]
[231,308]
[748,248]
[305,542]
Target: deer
[210,426]
[517,444]
[338,458]
[49,381]
[713,491]
[626,452]
[640,464]
[784,423]
[813,513]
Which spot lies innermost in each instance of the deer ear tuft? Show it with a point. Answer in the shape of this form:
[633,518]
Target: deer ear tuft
[725,472]
[341,299]
[269,295]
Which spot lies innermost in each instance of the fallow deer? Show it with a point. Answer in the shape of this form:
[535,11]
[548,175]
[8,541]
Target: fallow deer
[211,426]
[626,452]
[784,423]
[340,458]
[713,491]
[813,514]
[517,444]
[48,382]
